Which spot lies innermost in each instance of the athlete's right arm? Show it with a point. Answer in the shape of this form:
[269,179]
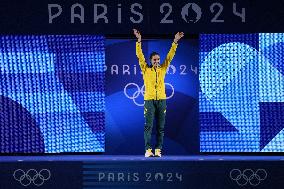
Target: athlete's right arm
[139,52]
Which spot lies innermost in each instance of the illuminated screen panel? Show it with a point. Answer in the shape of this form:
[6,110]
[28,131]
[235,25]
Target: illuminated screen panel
[241,97]
[125,97]
[52,94]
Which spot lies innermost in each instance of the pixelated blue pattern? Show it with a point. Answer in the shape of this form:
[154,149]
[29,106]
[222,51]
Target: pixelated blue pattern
[59,81]
[271,124]
[271,73]
[271,77]
[214,121]
[237,73]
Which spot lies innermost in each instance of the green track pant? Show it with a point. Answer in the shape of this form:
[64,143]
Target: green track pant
[154,109]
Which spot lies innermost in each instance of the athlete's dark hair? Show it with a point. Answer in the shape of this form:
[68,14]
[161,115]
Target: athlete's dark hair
[153,54]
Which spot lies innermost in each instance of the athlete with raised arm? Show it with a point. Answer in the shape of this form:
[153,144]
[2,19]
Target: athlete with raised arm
[155,95]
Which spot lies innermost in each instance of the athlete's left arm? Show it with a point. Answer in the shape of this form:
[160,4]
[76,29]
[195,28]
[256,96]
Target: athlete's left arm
[172,51]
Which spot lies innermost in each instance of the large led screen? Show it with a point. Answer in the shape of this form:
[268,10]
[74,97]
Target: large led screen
[52,94]
[241,96]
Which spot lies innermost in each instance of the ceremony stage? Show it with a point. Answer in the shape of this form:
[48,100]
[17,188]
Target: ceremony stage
[106,171]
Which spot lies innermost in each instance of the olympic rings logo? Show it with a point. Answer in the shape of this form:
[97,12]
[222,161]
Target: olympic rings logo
[32,176]
[248,176]
[141,91]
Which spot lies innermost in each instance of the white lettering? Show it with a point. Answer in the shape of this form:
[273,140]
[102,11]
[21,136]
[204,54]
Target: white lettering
[120,177]
[119,14]
[137,13]
[111,177]
[50,16]
[114,69]
[80,16]
[102,15]
[125,69]
[101,176]
[136,177]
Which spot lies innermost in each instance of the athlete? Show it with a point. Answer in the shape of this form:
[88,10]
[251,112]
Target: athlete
[155,95]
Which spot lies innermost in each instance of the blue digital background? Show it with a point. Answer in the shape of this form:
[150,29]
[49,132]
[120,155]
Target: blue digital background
[124,116]
[241,97]
[52,94]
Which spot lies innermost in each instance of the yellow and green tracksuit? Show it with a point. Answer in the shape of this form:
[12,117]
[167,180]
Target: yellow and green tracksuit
[155,95]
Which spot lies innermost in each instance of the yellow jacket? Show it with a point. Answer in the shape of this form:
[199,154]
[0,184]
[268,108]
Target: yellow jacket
[154,79]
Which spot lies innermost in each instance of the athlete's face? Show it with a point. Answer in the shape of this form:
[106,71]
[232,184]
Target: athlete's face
[155,60]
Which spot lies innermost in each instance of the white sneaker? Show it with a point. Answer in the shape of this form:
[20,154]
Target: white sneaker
[158,153]
[149,153]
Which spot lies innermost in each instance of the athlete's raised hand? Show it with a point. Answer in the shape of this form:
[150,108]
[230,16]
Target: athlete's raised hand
[137,34]
[178,36]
